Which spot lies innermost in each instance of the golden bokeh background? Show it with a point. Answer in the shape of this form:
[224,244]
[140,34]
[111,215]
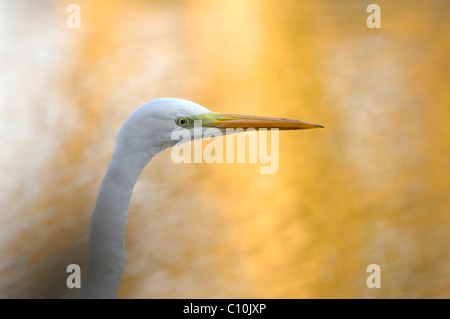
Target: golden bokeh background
[371,188]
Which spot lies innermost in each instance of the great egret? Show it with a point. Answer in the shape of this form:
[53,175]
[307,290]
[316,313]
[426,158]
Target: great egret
[144,134]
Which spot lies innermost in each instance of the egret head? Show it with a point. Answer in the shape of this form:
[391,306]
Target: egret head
[152,124]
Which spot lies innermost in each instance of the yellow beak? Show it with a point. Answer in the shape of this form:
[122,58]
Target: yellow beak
[226,120]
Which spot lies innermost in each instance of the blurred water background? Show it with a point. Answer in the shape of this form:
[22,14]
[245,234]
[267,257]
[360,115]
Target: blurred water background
[371,188]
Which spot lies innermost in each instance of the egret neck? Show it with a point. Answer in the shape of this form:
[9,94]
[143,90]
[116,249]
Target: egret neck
[108,222]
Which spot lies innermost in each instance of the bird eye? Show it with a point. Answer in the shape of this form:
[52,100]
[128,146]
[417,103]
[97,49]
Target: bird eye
[182,121]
